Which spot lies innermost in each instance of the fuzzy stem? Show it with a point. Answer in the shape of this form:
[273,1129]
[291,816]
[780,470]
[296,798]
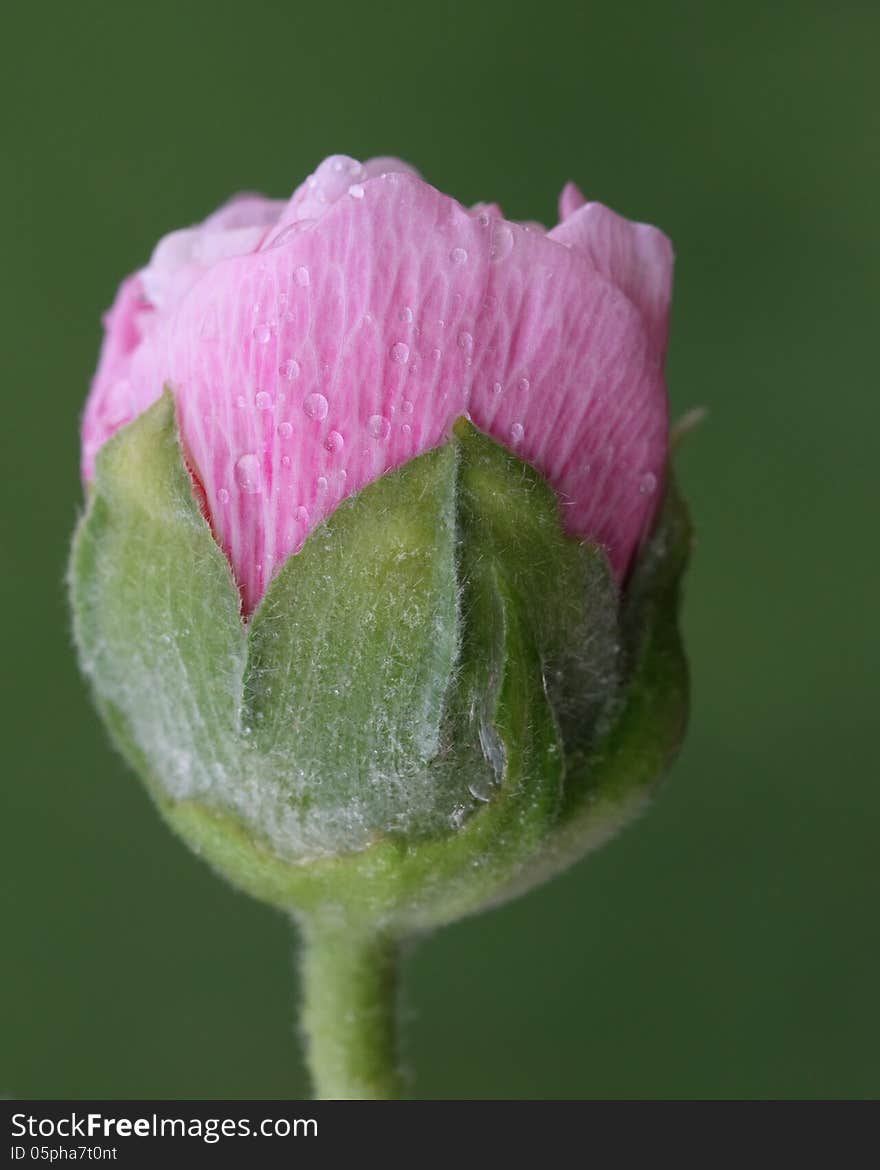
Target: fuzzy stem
[348,1012]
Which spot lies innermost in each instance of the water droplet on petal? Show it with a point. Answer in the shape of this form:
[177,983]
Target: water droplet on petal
[262,333]
[291,229]
[465,340]
[458,256]
[334,442]
[356,191]
[301,276]
[497,387]
[400,352]
[406,406]
[406,428]
[285,461]
[247,474]
[516,432]
[524,384]
[223,496]
[263,400]
[435,354]
[322,483]
[301,515]
[648,483]
[406,314]
[289,369]
[241,402]
[285,430]
[316,406]
[379,426]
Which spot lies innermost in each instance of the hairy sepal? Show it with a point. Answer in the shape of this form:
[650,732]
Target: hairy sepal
[439,701]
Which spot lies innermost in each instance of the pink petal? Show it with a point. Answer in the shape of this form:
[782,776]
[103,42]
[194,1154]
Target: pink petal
[181,257]
[305,371]
[565,374]
[112,402]
[636,257]
[570,200]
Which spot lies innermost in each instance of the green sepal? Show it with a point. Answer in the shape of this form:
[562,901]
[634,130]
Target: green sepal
[438,702]
[504,850]
[157,613]
[350,655]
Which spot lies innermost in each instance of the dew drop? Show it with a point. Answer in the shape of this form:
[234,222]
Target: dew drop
[285,430]
[301,276]
[406,406]
[458,256]
[262,333]
[406,314]
[647,484]
[524,384]
[501,244]
[301,515]
[289,369]
[400,352]
[316,406]
[285,461]
[321,483]
[263,400]
[379,426]
[223,496]
[356,191]
[334,442]
[435,354]
[465,340]
[497,387]
[516,432]
[406,428]
[291,229]
[241,402]
[247,474]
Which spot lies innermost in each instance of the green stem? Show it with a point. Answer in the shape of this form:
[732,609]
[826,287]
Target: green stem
[349,983]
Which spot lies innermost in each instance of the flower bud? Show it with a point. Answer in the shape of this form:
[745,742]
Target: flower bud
[379,596]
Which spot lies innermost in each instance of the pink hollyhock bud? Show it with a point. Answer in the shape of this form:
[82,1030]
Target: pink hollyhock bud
[469,673]
[312,346]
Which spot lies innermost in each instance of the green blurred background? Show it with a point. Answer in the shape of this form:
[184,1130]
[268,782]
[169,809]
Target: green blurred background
[727,944]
